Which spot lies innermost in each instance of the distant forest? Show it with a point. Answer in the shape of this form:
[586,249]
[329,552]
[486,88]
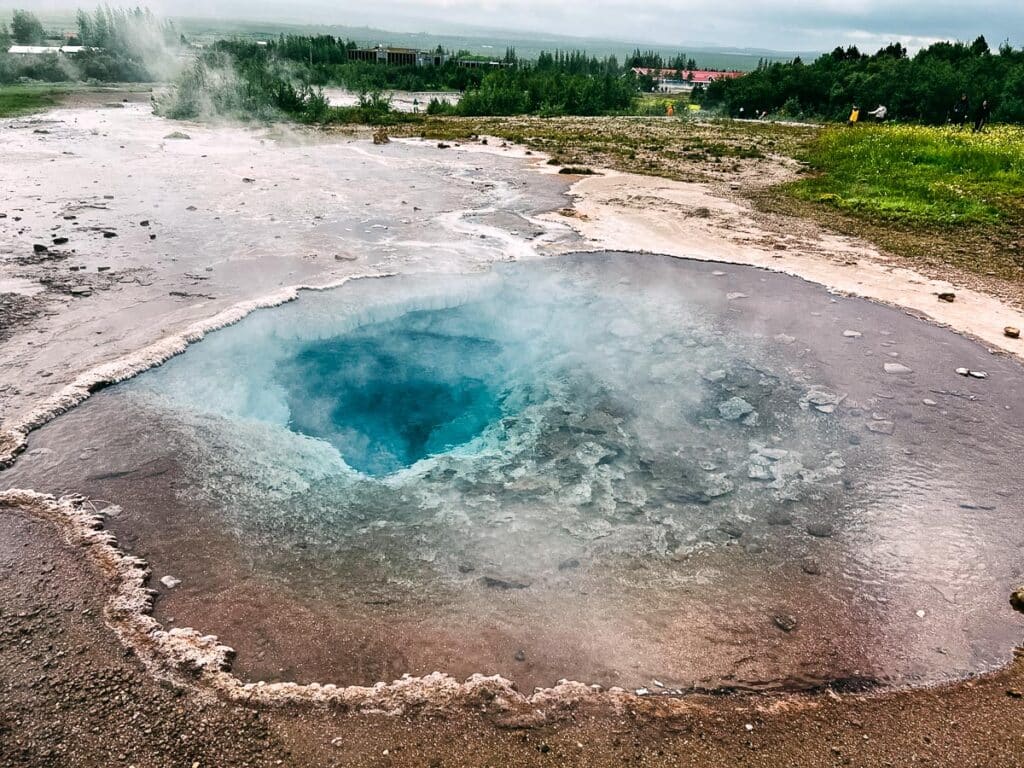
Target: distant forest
[286,73]
[922,88]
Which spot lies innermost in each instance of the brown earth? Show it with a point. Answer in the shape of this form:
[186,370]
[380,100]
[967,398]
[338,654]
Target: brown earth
[70,695]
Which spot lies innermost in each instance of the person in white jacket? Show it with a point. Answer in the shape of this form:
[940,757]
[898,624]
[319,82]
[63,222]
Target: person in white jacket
[879,113]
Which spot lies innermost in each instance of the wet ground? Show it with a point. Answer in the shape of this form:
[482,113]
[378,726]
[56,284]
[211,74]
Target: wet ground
[125,234]
[854,530]
[71,695]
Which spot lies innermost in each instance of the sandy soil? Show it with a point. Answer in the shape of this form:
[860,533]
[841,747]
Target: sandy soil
[71,694]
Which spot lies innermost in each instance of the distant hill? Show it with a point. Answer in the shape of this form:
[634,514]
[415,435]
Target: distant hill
[483,42]
[527,45]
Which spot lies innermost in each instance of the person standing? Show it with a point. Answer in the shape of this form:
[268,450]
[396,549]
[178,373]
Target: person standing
[962,111]
[854,116]
[982,116]
[879,113]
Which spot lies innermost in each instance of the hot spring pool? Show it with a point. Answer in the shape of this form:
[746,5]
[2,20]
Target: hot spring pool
[613,468]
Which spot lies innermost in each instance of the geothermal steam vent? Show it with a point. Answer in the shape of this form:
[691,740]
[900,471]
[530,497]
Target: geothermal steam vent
[615,469]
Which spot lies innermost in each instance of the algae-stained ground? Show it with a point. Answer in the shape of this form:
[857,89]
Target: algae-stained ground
[949,202]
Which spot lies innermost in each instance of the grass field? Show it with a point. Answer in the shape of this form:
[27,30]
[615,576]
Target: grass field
[16,100]
[919,175]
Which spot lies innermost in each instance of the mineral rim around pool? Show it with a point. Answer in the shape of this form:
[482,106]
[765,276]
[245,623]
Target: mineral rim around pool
[620,469]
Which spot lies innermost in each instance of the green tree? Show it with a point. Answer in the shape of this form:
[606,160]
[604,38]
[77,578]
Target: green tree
[26,28]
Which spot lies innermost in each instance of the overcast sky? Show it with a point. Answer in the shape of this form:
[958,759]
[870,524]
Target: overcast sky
[775,24]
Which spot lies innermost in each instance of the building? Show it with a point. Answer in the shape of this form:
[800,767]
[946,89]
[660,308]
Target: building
[42,50]
[674,80]
[401,57]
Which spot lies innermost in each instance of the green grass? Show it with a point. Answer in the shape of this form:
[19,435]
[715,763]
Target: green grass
[16,100]
[917,175]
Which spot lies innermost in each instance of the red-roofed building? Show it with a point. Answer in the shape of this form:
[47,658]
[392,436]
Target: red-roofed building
[684,79]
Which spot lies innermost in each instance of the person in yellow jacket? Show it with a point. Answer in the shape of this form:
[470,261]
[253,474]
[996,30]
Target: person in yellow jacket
[854,115]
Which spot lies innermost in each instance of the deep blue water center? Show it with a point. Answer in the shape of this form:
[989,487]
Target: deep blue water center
[392,393]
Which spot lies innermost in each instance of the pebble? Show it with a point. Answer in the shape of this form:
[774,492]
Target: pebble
[947,296]
[734,409]
[785,622]
[852,334]
[810,566]
[897,368]
[820,530]
[170,582]
[1011,332]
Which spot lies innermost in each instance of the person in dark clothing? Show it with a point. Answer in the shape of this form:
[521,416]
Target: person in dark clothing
[982,116]
[962,111]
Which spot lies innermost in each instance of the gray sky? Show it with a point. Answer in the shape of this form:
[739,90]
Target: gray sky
[774,24]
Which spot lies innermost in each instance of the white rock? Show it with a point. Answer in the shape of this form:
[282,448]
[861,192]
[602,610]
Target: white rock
[736,295]
[926,401]
[852,334]
[170,582]
[897,368]
[978,374]
[963,371]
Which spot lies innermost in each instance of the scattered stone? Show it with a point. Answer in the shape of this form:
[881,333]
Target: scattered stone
[506,584]
[380,136]
[102,269]
[716,486]
[820,530]
[947,296]
[810,566]
[1017,599]
[248,180]
[40,248]
[60,240]
[897,368]
[736,295]
[520,655]
[977,374]
[785,622]
[735,408]
[1011,332]
[929,402]
[442,145]
[144,223]
[731,528]
[881,427]
[109,234]
[170,582]
[963,371]
[177,135]
[80,290]
[852,334]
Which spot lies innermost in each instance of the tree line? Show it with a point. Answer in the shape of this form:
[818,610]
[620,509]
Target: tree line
[121,46]
[558,82]
[922,88]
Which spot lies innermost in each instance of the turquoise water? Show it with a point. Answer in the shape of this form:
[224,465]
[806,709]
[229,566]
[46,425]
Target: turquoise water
[392,393]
